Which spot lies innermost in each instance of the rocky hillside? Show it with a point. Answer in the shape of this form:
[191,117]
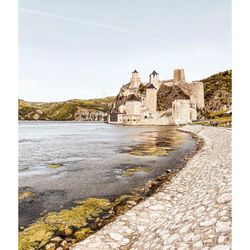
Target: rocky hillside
[166,95]
[88,110]
[218,93]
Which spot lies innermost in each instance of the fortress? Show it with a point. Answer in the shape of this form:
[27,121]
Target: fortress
[157,102]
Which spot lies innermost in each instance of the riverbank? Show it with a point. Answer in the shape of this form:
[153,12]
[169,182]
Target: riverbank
[65,201]
[191,212]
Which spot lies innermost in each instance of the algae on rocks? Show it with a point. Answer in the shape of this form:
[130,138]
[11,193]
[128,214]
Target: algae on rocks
[62,223]
[131,171]
[25,194]
[74,224]
[55,165]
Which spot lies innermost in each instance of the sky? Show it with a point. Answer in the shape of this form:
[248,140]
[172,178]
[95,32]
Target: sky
[82,49]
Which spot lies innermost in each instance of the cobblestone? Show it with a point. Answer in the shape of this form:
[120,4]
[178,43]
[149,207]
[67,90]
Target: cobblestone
[191,212]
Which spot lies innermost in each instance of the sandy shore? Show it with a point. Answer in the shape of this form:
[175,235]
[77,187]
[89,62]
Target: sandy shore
[192,212]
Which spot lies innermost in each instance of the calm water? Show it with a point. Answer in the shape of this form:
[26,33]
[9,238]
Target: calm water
[93,157]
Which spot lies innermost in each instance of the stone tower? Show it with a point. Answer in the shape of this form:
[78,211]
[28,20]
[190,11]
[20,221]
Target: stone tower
[151,98]
[197,94]
[133,105]
[135,80]
[181,111]
[154,79]
[179,75]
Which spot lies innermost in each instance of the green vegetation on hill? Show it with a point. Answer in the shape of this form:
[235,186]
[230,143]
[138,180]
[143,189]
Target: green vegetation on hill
[218,99]
[218,93]
[60,111]
[221,81]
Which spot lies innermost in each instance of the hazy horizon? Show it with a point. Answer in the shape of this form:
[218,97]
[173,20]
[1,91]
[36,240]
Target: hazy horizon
[86,49]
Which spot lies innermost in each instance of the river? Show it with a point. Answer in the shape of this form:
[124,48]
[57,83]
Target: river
[90,160]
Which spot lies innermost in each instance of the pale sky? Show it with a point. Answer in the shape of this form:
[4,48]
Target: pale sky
[88,48]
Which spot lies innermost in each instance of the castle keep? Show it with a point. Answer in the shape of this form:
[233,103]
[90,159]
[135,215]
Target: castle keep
[157,102]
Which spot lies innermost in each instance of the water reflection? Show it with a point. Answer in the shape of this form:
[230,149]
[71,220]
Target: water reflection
[156,143]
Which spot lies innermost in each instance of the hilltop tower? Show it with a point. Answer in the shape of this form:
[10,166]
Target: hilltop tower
[151,98]
[197,94]
[135,80]
[154,79]
[179,75]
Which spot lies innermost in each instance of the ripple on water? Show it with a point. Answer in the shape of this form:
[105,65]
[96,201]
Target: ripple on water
[94,158]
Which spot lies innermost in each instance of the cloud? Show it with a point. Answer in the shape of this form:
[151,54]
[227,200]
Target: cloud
[99,25]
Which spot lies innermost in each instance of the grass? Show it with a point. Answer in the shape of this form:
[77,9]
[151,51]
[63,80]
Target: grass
[217,114]
[225,121]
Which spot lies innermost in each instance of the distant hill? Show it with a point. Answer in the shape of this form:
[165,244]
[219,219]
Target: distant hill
[93,109]
[218,93]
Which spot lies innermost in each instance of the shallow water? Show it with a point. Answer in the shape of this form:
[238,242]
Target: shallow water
[94,157]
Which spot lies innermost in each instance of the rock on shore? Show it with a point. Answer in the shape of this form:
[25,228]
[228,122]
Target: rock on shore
[192,212]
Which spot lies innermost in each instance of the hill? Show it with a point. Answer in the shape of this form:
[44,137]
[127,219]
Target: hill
[93,109]
[218,93]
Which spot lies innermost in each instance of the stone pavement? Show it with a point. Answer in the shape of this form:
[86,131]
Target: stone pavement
[192,212]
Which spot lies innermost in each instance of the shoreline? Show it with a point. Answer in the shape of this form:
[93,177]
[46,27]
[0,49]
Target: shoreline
[118,174]
[193,189]
[121,204]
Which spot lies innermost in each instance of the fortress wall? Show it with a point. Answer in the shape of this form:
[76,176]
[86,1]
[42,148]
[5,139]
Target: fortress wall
[197,94]
[151,100]
[131,119]
[115,118]
[133,108]
[122,109]
[181,111]
[169,84]
[193,114]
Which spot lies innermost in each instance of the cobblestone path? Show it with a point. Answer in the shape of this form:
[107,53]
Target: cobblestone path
[192,212]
